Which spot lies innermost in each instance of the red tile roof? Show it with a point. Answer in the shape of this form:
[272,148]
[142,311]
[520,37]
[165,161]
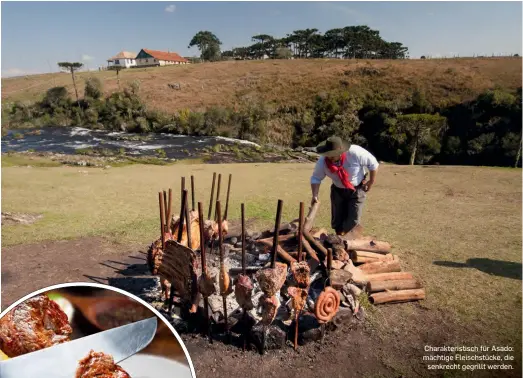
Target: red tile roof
[161,55]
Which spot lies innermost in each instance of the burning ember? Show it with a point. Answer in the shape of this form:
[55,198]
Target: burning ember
[285,283]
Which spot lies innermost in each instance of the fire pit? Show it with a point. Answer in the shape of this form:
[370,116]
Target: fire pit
[262,289]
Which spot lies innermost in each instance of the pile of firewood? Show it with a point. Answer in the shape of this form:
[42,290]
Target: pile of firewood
[295,270]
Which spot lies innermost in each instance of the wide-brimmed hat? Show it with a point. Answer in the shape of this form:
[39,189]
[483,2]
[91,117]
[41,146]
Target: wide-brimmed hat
[333,146]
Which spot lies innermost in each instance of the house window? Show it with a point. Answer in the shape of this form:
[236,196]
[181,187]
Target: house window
[116,61]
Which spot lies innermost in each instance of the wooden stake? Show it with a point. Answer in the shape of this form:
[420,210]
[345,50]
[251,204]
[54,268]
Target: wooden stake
[276,233]
[382,266]
[188,221]
[243,238]
[169,210]
[165,207]
[218,194]
[180,234]
[212,195]
[227,199]
[162,220]
[192,193]
[222,258]
[204,267]
[300,237]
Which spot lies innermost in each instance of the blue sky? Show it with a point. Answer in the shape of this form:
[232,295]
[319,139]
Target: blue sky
[36,35]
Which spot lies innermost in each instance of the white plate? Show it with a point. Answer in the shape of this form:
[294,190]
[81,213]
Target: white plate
[149,366]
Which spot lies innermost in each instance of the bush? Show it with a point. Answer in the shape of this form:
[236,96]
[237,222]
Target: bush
[93,88]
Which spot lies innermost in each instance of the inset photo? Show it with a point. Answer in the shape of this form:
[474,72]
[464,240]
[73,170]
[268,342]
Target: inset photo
[88,330]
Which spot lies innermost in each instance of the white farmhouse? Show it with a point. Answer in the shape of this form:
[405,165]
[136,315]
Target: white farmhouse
[123,59]
[149,58]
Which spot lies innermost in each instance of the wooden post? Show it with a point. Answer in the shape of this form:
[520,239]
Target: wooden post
[188,221]
[180,234]
[169,211]
[243,239]
[276,233]
[300,232]
[227,199]
[183,185]
[204,267]
[212,195]
[222,259]
[165,205]
[192,193]
[218,194]
[162,221]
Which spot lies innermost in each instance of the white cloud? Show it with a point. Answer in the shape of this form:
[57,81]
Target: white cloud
[86,58]
[170,8]
[10,72]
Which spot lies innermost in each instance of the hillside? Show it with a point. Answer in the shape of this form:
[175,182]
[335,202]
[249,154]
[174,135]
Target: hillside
[290,82]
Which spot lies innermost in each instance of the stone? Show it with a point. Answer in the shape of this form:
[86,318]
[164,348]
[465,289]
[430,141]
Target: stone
[339,278]
[336,264]
[238,244]
[233,240]
[358,277]
[274,337]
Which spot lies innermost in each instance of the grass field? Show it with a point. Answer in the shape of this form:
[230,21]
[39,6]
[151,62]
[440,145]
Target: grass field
[458,228]
[289,82]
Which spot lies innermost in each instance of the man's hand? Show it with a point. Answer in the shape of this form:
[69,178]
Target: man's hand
[367,185]
[314,200]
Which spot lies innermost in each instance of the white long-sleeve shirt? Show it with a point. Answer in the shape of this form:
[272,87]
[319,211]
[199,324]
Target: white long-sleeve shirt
[357,159]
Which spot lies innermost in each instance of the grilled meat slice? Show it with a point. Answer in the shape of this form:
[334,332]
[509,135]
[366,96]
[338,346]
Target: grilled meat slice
[206,285]
[270,307]
[225,281]
[243,292]
[301,273]
[299,298]
[272,280]
[99,365]
[35,324]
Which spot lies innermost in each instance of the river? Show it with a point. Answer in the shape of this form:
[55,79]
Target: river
[69,140]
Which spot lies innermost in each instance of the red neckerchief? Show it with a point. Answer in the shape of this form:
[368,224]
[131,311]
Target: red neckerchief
[340,171]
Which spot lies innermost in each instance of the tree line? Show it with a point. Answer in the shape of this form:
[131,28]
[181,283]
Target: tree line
[350,42]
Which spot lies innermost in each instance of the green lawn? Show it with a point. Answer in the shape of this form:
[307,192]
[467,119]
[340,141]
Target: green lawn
[447,215]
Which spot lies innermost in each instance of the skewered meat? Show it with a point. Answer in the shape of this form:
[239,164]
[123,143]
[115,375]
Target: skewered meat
[154,260]
[301,273]
[206,285]
[272,280]
[270,307]
[299,298]
[34,324]
[210,229]
[99,365]
[225,281]
[195,233]
[243,292]
[327,305]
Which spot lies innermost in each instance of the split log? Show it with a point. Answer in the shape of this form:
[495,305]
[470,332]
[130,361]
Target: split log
[281,238]
[309,219]
[309,250]
[366,245]
[281,252]
[364,257]
[376,286]
[319,232]
[383,266]
[390,276]
[315,244]
[355,233]
[397,296]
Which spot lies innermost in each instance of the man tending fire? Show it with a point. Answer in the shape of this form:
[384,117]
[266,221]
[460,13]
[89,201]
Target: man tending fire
[345,164]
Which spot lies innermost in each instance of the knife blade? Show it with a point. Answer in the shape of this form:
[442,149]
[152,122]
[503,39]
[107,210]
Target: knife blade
[61,361]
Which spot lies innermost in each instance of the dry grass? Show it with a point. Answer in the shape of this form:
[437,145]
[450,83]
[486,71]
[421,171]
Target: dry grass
[457,228]
[289,81]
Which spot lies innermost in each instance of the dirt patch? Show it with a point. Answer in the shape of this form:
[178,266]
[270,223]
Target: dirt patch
[9,219]
[30,267]
[390,343]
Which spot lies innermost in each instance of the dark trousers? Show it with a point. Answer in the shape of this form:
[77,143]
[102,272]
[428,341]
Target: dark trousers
[346,208]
